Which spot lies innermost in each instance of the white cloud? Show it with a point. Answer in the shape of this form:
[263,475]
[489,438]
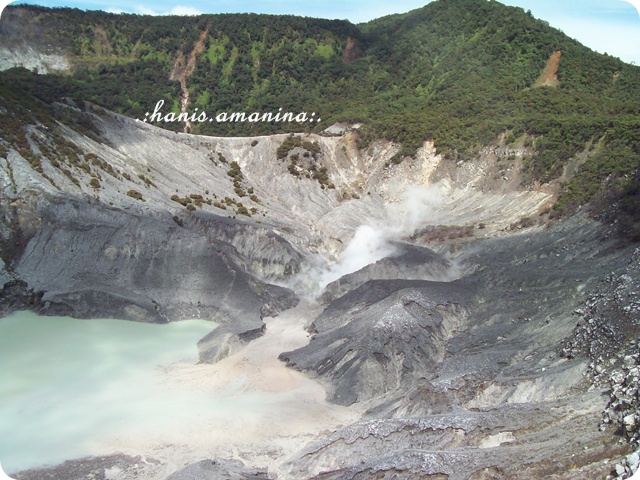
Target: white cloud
[180,10]
[145,10]
[177,10]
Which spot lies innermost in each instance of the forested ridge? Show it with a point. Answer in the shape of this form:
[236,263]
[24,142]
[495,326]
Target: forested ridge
[461,72]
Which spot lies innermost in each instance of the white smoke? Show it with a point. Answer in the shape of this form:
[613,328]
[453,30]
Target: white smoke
[369,244]
[374,241]
[418,207]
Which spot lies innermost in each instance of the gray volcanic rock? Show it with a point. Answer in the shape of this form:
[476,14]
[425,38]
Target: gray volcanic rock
[264,252]
[75,255]
[96,468]
[218,470]
[4,275]
[368,347]
[412,263]
[465,445]
[483,342]
[609,316]
[88,260]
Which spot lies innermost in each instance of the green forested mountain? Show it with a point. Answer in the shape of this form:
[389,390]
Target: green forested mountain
[460,72]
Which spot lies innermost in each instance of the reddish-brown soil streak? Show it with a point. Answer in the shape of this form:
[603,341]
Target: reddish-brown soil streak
[181,72]
[550,78]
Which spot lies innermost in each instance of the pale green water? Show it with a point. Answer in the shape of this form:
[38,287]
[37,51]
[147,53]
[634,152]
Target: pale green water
[64,382]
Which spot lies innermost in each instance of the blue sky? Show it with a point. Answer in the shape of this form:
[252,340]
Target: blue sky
[611,26]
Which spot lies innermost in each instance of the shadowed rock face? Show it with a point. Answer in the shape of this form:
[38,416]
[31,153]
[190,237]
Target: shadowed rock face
[381,335]
[262,252]
[88,260]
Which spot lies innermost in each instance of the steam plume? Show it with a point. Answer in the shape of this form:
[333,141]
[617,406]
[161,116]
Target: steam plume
[373,241]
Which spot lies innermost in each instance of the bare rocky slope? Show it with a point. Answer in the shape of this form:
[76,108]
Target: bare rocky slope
[456,324]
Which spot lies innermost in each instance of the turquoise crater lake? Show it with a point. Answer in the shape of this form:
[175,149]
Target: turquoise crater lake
[66,383]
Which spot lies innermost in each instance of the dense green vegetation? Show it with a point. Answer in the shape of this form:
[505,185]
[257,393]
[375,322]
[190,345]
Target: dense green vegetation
[460,72]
